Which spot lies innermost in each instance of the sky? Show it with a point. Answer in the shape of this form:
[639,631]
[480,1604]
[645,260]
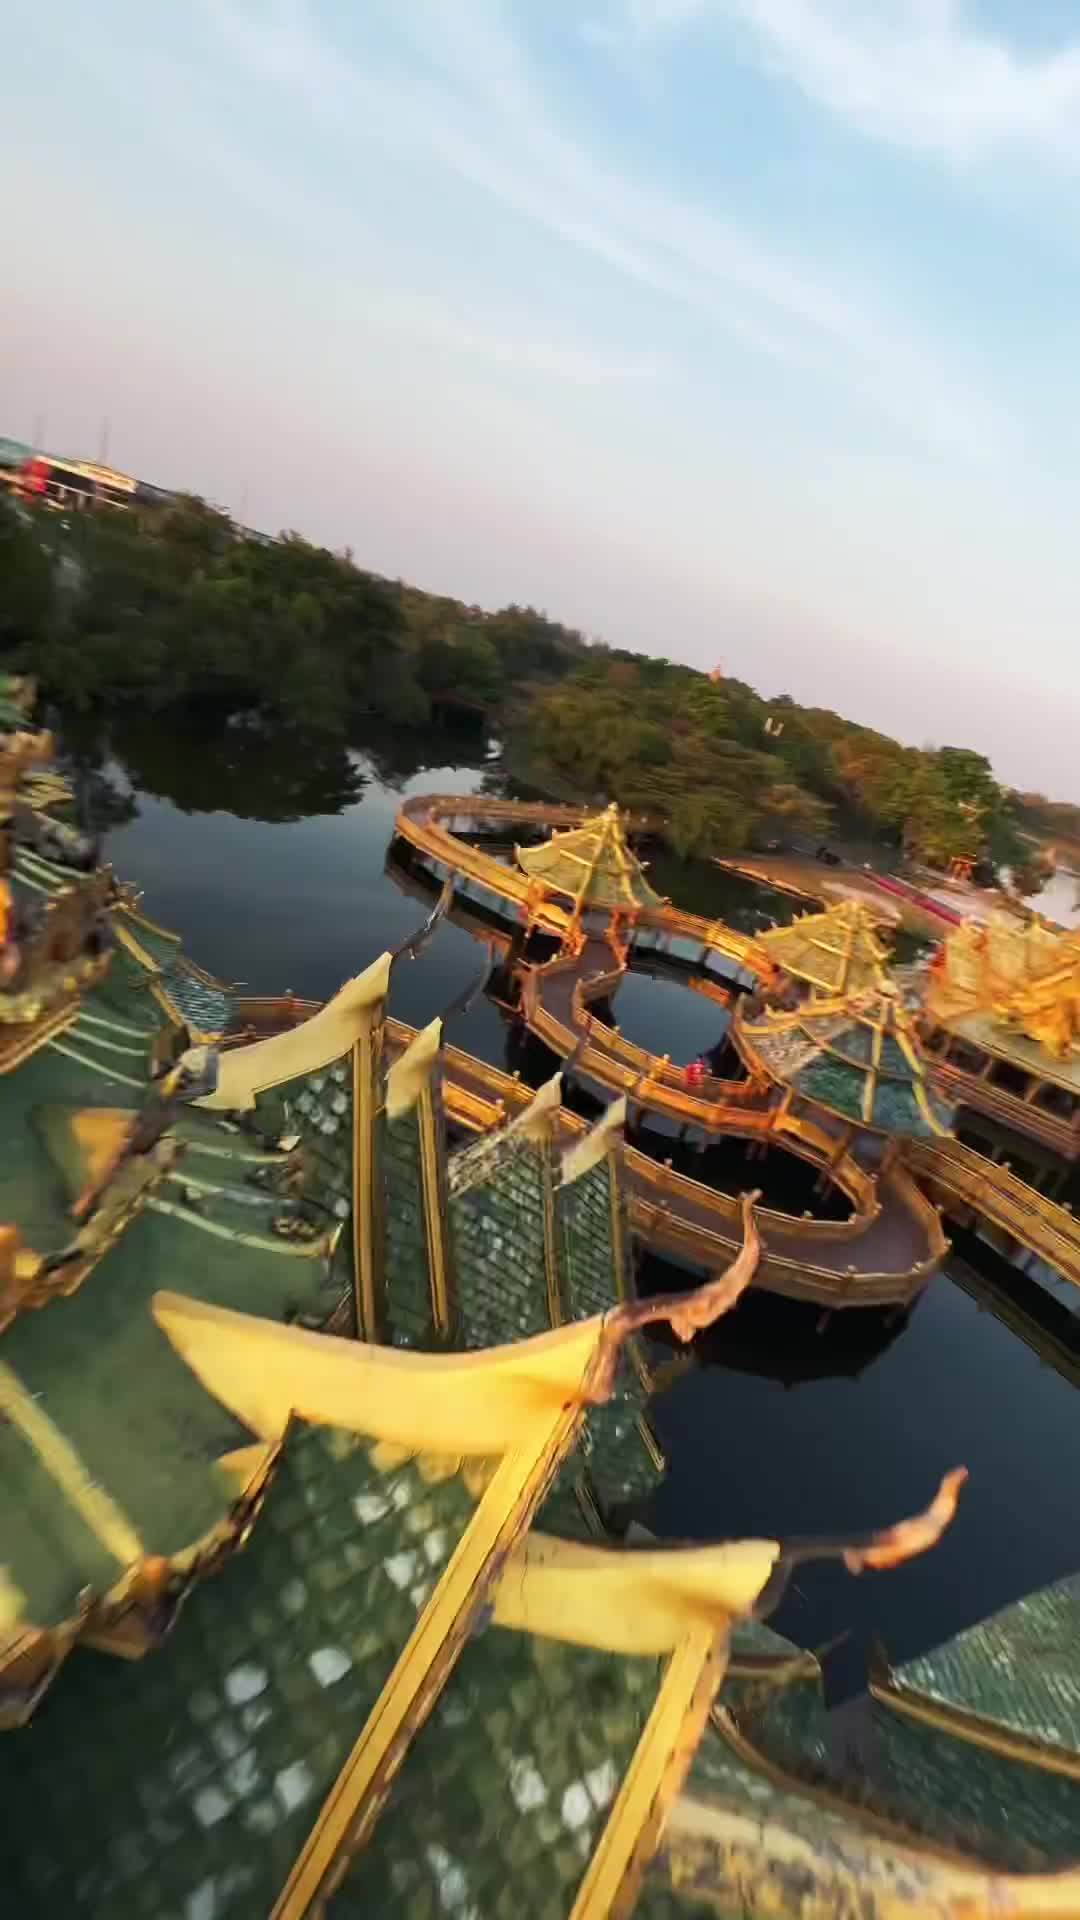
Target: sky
[738,331]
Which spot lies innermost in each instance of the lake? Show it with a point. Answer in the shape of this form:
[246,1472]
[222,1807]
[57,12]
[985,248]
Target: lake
[269,857]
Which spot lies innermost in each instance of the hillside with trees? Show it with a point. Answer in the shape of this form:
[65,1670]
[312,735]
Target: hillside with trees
[166,605]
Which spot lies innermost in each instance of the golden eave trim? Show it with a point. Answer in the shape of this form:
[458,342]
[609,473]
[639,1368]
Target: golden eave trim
[353,1805]
[411,1072]
[630,1601]
[962,1723]
[612,1879]
[432,1194]
[454,1403]
[94,1505]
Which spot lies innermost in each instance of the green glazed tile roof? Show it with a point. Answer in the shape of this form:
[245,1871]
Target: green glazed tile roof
[620,1469]
[201,1004]
[498,1235]
[1019,1667]
[504,1792]
[593,863]
[923,1782]
[848,1056]
[184,1785]
[1011,1811]
[79,1068]
[140,1423]
[926,1783]
[207,1008]
[143,1426]
[408,1281]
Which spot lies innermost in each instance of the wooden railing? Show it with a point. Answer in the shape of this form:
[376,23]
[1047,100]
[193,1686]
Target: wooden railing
[998,1195]
[615,1061]
[796,1279]
[1023,1116]
[655,1181]
[666,1207]
[657,1067]
[419,821]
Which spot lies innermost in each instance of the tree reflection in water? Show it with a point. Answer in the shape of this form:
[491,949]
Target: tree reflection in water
[238,764]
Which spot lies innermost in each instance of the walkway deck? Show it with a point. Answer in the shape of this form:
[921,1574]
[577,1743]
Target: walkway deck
[554,1002]
[990,1192]
[434,824]
[883,1255]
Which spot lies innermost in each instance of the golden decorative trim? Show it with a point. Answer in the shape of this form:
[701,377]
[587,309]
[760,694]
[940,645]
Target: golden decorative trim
[597,1144]
[367,1215]
[412,1071]
[432,1188]
[135,947]
[94,1506]
[330,1033]
[353,1805]
[613,1877]
[962,1723]
[475,1402]
[647,1601]
[556,1306]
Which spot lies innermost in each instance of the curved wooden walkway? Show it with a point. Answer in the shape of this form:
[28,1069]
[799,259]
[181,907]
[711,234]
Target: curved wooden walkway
[554,1003]
[434,825]
[991,1192]
[882,1256]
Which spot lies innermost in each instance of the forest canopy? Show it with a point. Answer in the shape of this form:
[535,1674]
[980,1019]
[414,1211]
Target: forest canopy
[171,603]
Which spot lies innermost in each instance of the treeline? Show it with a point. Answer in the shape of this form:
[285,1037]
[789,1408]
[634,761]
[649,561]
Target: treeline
[1049,822]
[730,769]
[166,604]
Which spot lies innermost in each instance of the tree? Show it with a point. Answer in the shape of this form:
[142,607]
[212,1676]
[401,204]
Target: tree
[27,585]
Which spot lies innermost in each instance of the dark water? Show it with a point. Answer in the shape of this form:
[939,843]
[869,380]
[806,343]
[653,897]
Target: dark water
[269,857]
[664,1015]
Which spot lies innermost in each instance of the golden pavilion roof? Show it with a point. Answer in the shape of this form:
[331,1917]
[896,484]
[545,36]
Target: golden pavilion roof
[982,965]
[1012,988]
[837,951]
[857,1055]
[593,864]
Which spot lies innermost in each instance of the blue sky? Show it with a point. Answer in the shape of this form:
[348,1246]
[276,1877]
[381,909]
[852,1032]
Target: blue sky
[736,330]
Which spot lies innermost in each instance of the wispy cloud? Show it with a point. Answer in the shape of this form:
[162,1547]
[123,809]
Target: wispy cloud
[497,341]
[921,73]
[457,84]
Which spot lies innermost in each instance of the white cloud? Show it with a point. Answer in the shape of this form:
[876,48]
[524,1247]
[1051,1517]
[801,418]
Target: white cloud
[916,72]
[441,323]
[456,85]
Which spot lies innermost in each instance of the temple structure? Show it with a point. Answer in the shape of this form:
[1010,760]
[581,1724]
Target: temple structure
[1001,1017]
[836,952]
[594,868]
[353,1418]
[854,1056]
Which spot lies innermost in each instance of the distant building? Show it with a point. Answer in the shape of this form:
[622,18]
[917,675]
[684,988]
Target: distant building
[70,485]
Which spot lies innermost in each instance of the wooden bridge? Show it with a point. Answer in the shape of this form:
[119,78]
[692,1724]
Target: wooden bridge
[883,1255]
[554,1005]
[436,826]
[963,1178]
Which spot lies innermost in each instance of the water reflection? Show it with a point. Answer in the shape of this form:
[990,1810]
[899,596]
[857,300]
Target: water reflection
[283,774]
[778,1430]
[790,1341]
